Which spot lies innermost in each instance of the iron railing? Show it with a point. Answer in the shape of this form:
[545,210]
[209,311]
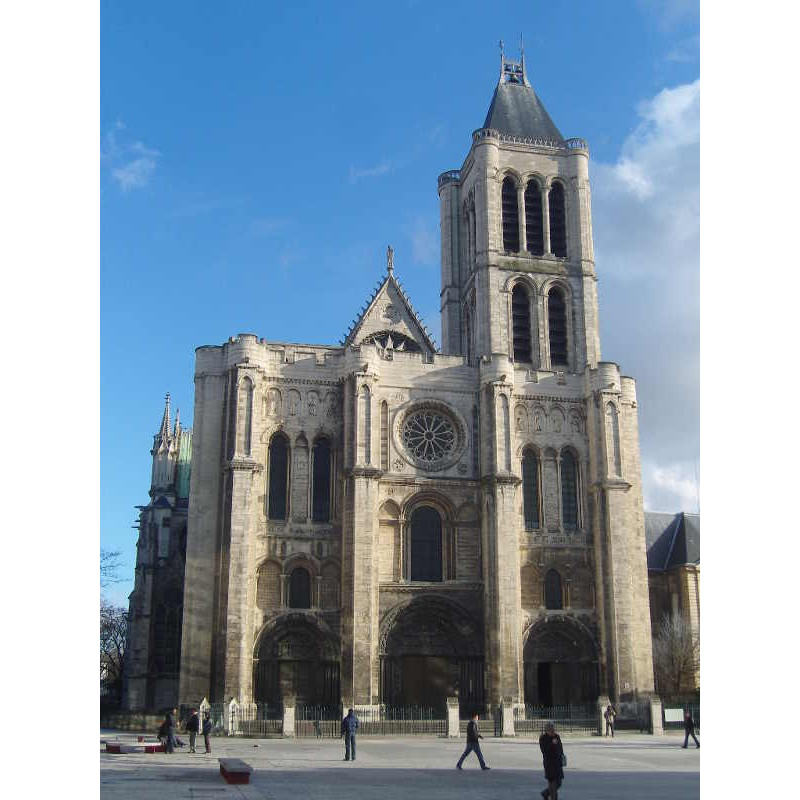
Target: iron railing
[581,719]
[676,725]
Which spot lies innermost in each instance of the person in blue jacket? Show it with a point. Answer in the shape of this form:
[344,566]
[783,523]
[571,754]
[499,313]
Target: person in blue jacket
[349,728]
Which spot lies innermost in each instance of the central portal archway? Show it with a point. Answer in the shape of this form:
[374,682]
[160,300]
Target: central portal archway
[295,659]
[561,663]
[431,649]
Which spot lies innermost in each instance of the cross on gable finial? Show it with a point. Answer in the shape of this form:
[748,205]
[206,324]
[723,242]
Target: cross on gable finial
[389,259]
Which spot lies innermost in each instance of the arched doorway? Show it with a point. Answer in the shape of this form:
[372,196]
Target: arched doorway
[432,649]
[296,659]
[560,658]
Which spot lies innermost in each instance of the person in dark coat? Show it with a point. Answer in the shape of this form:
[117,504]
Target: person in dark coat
[553,758]
[192,727]
[349,728]
[688,727]
[167,731]
[472,743]
[207,731]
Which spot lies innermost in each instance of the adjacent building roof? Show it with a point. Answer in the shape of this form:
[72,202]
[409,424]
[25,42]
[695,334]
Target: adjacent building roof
[672,539]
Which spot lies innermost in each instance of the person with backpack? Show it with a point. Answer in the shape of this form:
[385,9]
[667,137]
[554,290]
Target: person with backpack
[554,760]
[348,732]
[609,714]
[472,743]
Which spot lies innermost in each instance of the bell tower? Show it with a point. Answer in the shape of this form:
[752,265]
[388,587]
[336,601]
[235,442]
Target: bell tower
[517,259]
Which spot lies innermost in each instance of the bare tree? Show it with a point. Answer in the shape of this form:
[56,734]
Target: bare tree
[676,655]
[109,567]
[113,631]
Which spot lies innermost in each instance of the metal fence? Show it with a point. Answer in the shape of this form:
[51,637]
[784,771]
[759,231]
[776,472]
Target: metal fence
[530,720]
[325,721]
[489,723]
[677,724]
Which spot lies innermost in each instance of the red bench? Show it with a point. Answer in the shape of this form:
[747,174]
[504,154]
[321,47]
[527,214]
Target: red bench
[234,770]
[140,747]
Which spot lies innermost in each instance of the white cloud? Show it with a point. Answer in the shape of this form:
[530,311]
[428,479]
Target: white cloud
[671,487]
[671,13]
[646,209]
[132,164]
[356,174]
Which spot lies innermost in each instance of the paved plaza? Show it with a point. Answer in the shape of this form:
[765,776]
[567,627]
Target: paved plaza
[411,768]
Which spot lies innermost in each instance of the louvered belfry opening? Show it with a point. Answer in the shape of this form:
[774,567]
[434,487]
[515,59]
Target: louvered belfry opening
[534,229]
[521,323]
[530,490]
[569,491]
[321,482]
[278,476]
[557,320]
[510,217]
[558,221]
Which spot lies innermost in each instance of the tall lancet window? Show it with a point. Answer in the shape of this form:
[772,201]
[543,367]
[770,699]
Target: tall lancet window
[521,324]
[278,476]
[530,490]
[612,440]
[557,323]
[569,490]
[247,402]
[510,216]
[552,590]
[321,481]
[558,221]
[534,232]
[384,436]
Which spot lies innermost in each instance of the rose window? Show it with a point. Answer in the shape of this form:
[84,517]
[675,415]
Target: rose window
[429,437]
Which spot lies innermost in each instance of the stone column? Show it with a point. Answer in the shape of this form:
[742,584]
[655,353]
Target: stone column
[546,220]
[453,723]
[288,721]
[507,718]
[656,723]
[602,704]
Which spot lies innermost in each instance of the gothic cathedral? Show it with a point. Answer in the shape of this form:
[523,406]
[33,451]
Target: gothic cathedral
[384,522]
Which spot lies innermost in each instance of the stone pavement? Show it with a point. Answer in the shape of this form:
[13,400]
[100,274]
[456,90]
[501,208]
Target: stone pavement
[412,768]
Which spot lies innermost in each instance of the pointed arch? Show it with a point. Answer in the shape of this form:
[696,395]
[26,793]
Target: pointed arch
[365,423]
[321,480]
[557,326]
[569,490]
[553,591]
[612,440]
[531,492]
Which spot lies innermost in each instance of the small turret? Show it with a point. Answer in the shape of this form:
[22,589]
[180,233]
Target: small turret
[164,452]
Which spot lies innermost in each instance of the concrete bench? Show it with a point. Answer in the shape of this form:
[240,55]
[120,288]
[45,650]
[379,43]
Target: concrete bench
[138,747]
[234,770]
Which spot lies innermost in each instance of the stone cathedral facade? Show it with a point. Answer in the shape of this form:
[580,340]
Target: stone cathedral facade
[383,522]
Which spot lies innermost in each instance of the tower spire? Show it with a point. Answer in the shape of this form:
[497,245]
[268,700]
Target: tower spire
[389,260]
[165,420]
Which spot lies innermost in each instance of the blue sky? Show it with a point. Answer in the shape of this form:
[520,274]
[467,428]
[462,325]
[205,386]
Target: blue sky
[257,158]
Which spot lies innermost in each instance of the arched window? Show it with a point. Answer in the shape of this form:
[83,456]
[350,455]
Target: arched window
[569,490]
[612,440]
[299,588]
[552,590]
[321,481]
[530,490]
[533,219]
[245,421]
[278,476]
[521,324]
[510,216]
[426,545]
[558,221]
[557,322]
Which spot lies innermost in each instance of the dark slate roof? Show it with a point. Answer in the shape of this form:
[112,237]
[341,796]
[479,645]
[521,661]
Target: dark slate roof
[517,111]
[672,539]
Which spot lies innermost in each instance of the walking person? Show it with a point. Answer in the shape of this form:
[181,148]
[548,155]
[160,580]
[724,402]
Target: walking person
[688,727]
[554,760]
[192,727]
[207,731]
[472,743]
[349,728]
[609,715]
